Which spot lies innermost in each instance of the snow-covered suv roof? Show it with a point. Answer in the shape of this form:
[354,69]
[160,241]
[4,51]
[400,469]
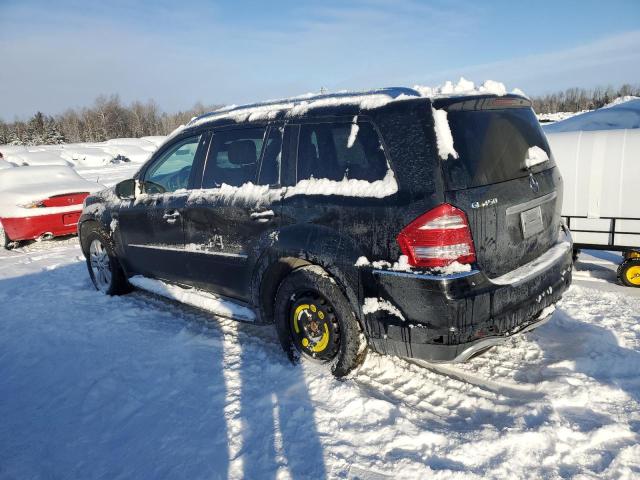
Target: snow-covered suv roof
[300,105]
[364,100]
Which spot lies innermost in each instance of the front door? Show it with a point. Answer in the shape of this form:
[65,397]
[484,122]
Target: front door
[238,208]
[151,226]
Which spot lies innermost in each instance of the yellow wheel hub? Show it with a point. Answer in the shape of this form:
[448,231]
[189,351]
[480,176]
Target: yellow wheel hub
[633,275]
[313,317]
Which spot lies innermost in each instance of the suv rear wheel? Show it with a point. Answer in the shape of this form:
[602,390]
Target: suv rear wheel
[104,268]
[315,321]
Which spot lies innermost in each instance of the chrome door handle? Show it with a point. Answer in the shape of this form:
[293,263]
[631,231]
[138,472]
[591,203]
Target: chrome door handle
[171,217]
[262,217]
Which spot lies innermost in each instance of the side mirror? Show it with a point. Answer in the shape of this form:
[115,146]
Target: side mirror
[126,190]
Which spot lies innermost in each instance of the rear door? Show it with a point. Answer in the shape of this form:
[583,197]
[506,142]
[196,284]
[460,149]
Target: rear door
[151,226]
[228,222]
[504,179]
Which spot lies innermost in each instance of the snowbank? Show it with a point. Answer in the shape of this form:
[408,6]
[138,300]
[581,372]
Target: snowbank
[36,158]
[137,150]
[135,153]
[196,298]
[621,115]
[5,164]
[80,154]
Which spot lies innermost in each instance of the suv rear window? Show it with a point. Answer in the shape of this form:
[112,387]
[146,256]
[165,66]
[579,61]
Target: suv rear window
[340,150]
[492,146]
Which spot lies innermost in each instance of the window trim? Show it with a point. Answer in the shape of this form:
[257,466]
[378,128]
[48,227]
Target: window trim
[270,127]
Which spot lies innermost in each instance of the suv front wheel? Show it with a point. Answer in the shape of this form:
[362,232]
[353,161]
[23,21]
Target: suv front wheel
[315,321]
[104,268]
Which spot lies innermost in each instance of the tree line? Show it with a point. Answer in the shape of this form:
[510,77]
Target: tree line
[579,99]
[107,118]
[110,118]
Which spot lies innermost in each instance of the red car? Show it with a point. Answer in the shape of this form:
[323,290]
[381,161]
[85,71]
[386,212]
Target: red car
[41,202]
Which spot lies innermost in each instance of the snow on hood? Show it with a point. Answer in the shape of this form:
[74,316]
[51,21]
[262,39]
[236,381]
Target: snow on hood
[615,116]
[22,185]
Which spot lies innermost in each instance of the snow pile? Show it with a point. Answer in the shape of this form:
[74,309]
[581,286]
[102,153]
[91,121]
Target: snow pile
[155,140]
[81,154]
[5,164]
[137,150]
[250,194]
[444,137]
[465,87]
[558,116]
[454,268]
[25,185]
[624,115]
[37,158]
[134,153]
[535,156]
[620,100]
[347,187]
[402,265]
[373,305]
[247,194]
[195,298]
[149,144]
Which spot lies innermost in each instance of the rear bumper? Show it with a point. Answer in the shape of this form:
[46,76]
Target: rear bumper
[29,228]
[451,318]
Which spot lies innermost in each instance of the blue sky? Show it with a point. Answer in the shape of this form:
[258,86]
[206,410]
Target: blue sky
[55,55]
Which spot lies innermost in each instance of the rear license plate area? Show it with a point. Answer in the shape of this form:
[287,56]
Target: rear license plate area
[531,221]
[69,219]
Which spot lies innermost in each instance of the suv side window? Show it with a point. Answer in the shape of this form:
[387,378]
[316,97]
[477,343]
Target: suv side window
[172,170]
[340,150]
[233,157]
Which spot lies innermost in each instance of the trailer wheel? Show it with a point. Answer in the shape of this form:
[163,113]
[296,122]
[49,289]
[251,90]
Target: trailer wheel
[629,272]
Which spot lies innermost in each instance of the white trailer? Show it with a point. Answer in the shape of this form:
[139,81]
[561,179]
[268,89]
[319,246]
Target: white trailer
[601,172]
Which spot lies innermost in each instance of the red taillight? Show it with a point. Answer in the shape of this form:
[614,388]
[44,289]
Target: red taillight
[438,238]
[65,200]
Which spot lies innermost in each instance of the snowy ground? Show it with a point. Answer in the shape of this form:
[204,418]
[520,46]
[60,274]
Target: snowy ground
[138,387]
[135,386]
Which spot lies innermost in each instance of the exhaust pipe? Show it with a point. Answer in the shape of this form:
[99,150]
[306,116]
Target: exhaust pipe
[45,236]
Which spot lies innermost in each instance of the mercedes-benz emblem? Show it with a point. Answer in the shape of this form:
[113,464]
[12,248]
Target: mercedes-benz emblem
[533,183]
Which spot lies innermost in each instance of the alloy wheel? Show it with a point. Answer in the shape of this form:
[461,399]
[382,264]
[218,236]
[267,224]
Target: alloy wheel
[100,265]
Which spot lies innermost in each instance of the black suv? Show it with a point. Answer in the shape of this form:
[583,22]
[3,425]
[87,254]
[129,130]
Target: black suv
[420,227]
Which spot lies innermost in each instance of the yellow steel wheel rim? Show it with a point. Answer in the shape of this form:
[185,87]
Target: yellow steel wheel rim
[633,275]
[324,341]
[296,315]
